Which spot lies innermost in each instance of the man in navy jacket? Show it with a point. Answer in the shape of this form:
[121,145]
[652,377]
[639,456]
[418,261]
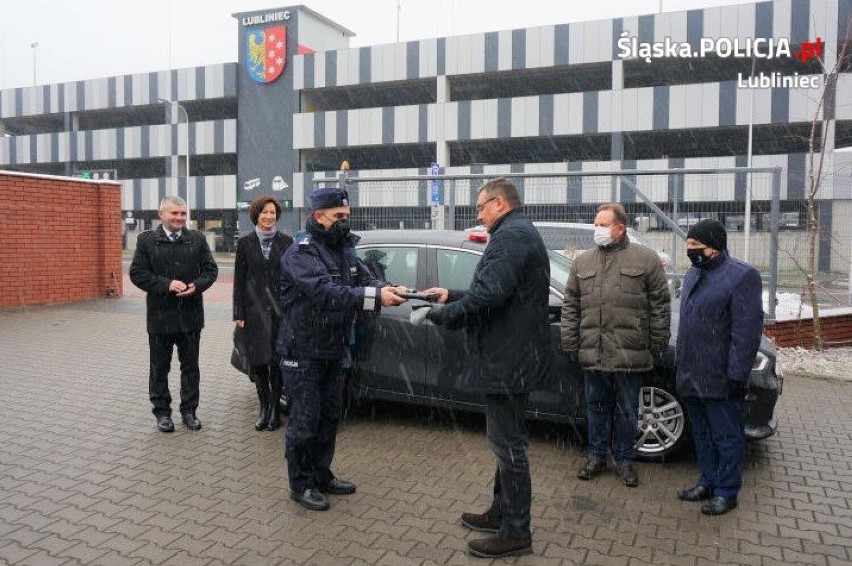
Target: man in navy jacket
[721,322]
[323,284]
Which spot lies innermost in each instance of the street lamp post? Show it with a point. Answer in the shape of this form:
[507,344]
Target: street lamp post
[34,46]
[186,138]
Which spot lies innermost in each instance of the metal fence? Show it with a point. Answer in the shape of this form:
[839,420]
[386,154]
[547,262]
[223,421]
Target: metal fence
[661,206]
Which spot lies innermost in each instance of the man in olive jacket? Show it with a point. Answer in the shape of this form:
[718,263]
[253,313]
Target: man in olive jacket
[174,266]
[615,322]
[504,314]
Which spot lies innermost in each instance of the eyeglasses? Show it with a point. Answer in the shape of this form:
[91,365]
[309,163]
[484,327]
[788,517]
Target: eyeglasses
[481,206]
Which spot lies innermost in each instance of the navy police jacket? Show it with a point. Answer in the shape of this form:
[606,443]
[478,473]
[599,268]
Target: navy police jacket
[721,323]
[323,285]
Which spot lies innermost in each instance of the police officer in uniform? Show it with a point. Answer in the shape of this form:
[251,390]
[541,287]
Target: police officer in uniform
[323,286]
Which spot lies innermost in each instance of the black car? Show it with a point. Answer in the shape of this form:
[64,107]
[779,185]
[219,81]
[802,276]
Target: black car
[394,360]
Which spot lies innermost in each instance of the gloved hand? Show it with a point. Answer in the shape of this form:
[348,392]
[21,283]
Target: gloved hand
[419,313]
[737,389]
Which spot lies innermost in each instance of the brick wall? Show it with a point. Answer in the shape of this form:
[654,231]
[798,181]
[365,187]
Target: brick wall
[836,331]
[60,239]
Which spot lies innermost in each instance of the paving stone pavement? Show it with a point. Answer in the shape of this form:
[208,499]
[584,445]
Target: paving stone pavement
[85,477]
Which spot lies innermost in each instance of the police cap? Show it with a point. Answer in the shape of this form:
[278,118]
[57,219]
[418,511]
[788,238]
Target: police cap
[329,197]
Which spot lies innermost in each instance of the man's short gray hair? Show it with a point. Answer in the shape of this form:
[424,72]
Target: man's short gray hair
[172,200]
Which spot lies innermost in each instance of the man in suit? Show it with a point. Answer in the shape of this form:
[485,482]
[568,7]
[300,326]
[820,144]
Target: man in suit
[174,266]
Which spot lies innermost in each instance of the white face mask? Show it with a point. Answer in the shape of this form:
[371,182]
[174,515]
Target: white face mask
[603,235]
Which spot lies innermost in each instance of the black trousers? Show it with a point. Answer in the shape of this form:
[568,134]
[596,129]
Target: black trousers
[507,438]
[161,348]
[315,406]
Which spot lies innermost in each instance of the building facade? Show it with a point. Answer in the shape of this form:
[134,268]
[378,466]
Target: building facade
[562,97]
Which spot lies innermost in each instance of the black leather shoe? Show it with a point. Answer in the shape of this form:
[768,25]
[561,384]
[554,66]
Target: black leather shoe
[695,493]
[339,487]
[191,422]
[627,473]
[591,469]
[497,547]
[310,499]
[719,505]
[481,522]
[165,424]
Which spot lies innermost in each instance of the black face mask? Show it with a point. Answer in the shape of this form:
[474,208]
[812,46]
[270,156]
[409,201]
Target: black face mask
[339,230]
[697,257]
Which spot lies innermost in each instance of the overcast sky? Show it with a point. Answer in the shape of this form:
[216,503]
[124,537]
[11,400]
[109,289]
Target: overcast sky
[84,39]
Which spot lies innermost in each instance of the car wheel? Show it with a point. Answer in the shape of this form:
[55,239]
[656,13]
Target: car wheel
[662,430]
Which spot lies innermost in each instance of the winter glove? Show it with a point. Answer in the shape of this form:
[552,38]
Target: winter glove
[737,389]
[419,313]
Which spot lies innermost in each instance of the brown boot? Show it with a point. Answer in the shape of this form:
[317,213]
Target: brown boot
[481,522]
[497,547]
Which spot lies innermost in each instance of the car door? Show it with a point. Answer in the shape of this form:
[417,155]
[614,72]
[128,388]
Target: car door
[449,354]
[390,353]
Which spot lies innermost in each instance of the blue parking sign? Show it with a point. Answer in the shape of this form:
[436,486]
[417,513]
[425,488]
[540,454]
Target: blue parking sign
[435,196]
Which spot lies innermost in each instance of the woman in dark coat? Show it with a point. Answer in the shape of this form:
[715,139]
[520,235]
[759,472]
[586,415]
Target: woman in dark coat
[256,309]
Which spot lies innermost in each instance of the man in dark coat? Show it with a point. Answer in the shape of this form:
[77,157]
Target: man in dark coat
[174,266]
[323,285]
[504,314]
[721,322]
[257,270]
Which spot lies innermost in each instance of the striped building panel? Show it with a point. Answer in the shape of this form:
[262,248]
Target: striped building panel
[132,142]
[298,72]
[353,65]
[331,130]
[708,95]
[319,70]
[844,97]
[185,84]
[819,24]
[150,193]
[781,17]
[803,103]
[230,134]
[140,94]
[477,53]
[762,105]
[546,48]
[428,55]
[214,81]
[22,150]
[378,53]
[679,107]
[676,23]
[644,108]
[451,130]
[575,113]
[605,111]
[532,48]
[504,50]
[400,61]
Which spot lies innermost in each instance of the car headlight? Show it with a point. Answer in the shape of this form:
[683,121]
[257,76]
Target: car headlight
[760,362]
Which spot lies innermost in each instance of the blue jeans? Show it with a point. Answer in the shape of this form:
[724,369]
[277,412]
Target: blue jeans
[719,436]
[507,438]
[315,405]
[612,405]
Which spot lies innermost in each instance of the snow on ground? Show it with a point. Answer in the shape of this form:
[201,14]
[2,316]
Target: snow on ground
[833,363]
[789,306]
